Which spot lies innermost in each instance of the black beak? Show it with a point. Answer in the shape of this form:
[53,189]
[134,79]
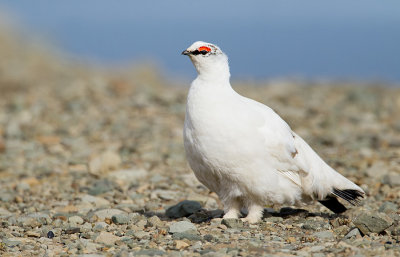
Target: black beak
[186,52]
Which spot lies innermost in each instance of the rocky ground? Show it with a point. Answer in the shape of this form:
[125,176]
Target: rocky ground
[91,160]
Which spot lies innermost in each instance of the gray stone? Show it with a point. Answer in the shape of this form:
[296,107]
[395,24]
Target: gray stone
[154,221]
[183,227]
[106,238]
[108,213]
[165,194]
[96,201]
[130,176]
[75,220]
[232,223]
[11,242]
[353,233]
[388,207]
[120,219]
[149,252]
[141,235]
[324,234]
[100,226]
[188,236]
[372,222]
[101,186]
[183,209]
[315,225]
[392,179]
[274,219]
[42,218]
[4,212]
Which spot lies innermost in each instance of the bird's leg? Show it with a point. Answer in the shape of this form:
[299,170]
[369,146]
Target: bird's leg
[232,209]
[255,214]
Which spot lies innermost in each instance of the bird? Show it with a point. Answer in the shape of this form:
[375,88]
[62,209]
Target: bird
[246,153]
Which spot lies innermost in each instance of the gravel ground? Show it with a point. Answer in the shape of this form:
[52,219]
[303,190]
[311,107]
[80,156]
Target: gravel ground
[91,162]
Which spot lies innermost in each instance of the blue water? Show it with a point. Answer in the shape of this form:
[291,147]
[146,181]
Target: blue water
[311,39]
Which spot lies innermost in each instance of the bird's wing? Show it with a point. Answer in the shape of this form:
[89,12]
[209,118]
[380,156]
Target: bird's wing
[279,141]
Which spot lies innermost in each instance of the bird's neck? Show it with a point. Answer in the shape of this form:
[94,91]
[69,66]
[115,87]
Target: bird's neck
[215,72]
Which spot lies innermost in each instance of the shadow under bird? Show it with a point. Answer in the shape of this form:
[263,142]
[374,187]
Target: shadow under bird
[246,153]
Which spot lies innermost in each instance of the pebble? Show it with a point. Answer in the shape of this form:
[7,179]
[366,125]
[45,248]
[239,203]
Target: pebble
[128,177]
[120,219]
[4,212]
[183,209]
[104,162]
[182,227]
[154,221]
[100,226]
[388,207]
[391,179]
[324,234]
[232,223]
[96,201]
[179,244]
[106,238]
[369,223]
[353,233]
[75,220]
[107,213]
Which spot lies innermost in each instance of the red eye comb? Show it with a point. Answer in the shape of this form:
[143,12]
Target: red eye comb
[204,48]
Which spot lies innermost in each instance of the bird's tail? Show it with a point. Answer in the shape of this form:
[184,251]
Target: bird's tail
[350,195]
[324,182]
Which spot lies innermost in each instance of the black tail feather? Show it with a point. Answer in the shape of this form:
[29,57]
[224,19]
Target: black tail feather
[333,204]
[351,195]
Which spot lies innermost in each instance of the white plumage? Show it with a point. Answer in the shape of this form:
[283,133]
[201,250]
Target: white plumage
[245,152]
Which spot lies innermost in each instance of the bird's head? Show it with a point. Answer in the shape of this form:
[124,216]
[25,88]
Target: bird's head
[208,59]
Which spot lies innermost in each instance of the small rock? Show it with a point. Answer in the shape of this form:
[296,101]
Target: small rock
[179,244]
[101,187]
[188,236]
[183,209]
[274,219]
[104,162]
[96,201]
[75,220]
[182,227]
[376,169]
[373,222]
[4,212]
[391,179]
[315,225]
[120,219]
[149,252]
[70,231]
[353,233]
[141,235]
[50,234]
[106,238]
[208,237]
[154,221]
[32,234]
[100,226]
[127,177]
[232,223]
[324,234]
[164,194]
[107,213]
[388,207]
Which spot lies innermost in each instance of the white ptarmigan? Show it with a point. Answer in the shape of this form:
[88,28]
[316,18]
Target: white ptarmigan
[245,152]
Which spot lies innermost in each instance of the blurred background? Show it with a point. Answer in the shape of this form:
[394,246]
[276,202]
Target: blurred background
[310,40]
